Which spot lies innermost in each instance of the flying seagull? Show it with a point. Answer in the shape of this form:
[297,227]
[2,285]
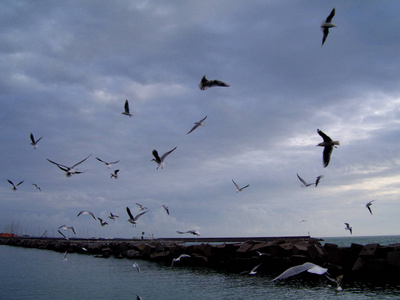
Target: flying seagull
[126,107]
[36,186]
[309,267]
[303,221]
[368,205]
[102,223]
[205,83]
[348,228]
[136,266]
[238,189]
[34,142]
[86,212]
[160,160]
[328,145]
[141,207]
[132,219]
[65,256]
[318,179]
[326,25]
[115,174]
[65,227]
[108,164]
[112,216]
[69,171]
[166,209]
[197,124]
[304,183]
[14,186]
[179,259]
[194,232]
[253,271]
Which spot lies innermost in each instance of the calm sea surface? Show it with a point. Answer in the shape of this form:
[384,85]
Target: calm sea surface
[42,274]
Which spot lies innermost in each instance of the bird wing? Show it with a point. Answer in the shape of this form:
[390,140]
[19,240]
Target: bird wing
[11,182]
[317,270]
[180,232]
[37,141]
[129,213]
[81,161]
[193,128]
[331,15]
[246,186]
[155,154]
[57,164]
[324,136]
[326,156]
[295,270]
[87,213]
[301,179]
[73,229]
[235,184]
[217,82]
[113,162]
[101,160]
[326,32]
[166,154]
[126,106]
[32,138]
[138,215]
[202,120]
[62,234]
[255,268]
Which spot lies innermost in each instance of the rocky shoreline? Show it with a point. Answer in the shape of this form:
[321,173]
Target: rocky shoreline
[368,263]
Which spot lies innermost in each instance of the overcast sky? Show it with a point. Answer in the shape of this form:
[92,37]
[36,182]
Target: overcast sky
[68,66]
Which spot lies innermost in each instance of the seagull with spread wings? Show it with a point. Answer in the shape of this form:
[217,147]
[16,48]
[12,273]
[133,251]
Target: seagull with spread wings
[114,174]
[14,185]
[327,24]
[194,232]
[126,109]
[238,189]
[133,219]
[36,186]
[65,227]
[34,142]
[160,160]
[205,83]
[112,216]
[309,267]
[348,227]
[179,258]
[328,145]
[69,171]
[197,124]
[86,212]
[108,164]
[368,205]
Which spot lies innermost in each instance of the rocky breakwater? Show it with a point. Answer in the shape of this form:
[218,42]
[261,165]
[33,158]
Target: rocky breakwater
[369,263]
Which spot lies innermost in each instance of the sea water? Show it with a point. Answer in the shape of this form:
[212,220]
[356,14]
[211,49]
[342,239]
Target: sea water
[42,274]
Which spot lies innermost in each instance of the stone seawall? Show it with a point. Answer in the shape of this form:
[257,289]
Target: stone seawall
[369,263]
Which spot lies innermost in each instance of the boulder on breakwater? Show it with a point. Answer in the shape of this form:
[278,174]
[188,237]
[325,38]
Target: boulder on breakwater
[370,263]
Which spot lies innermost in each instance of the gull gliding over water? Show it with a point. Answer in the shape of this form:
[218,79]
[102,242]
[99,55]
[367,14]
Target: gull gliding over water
[304,183]
[238,189]
[194,232]
[34,142]
[348,228]
[205,83]
[160,160]
[197,124]
[133,219]
[126,109]
[368,205]
[86,212]
[179,258]
[14,186]
[69,171]
[328,145]
[309,267]
[65,227]
[108,164]
[326,25]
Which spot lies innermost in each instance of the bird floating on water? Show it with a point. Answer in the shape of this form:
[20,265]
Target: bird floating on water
[65,227]
[115,174]
[69,171]
[328,145]
[108,164]
[309,267]
[86,212]
[194,232]
[160,160]
[166,209]
[126,109]
[133,219]
[348,228]
[238,189]
[326,25]
[205,83]
[304,183]
[179,258]
[14,186]
[112,216]
[197,124]
[317,180]
[34,142]
[368,205]
[36,186]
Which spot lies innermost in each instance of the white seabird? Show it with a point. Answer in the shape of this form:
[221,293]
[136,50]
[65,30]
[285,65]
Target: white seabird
[328,145]
[133,219]
[34,142]
[348,228]
[102,223]
[205,83]
[179,258]
[112,216]
[160,160]
[36,186]
[65,256]
[108,164]
[253,271]
[166,209]
[368,205]
[326,25]
[194,232]
[86,212]
[69,171]
[141,207]
[304,183]
[115,174]
[65,227]
[317,180]
[309,267]
[126,108]
[136,266]
[238,189]
[14,186]
[197,124]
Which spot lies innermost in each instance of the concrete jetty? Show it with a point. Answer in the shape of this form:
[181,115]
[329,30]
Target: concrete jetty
[369,263]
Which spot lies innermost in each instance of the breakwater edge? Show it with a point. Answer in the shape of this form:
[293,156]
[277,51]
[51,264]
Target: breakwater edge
[368,263]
